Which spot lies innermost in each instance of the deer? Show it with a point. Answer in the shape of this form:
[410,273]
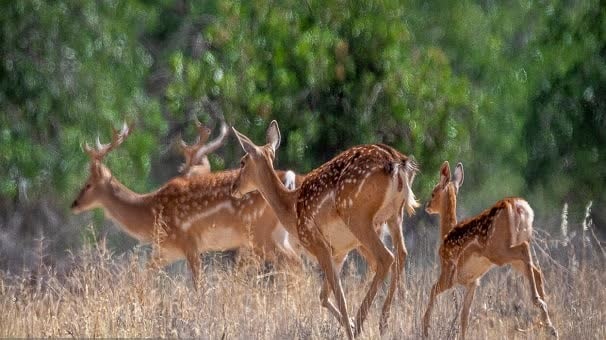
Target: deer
[185,216]
[196,155]
[196,163]
[338,207]
[498,236]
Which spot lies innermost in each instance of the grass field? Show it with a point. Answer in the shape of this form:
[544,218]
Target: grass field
[113,296]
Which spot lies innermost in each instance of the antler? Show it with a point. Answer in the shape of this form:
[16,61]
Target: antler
[190,151]
[102,150]
[213,145]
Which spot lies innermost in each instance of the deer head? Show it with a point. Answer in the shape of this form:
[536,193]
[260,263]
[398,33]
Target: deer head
[257,162]
[196,155]
[100,176]
[446,185]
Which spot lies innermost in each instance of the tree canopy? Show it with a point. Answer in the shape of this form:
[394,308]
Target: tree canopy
[515,90]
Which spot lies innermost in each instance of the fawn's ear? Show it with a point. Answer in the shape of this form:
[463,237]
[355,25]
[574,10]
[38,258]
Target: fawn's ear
[444,174]
[273,135]
[248,146]
[458,177]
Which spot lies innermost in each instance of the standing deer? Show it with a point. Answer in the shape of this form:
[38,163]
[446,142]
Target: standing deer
[498,236]
[338,207]
[196,164]
[186,216]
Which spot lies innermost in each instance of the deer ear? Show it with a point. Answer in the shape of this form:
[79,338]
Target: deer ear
[273,135]
[445,173]
[248,146]
[458,175]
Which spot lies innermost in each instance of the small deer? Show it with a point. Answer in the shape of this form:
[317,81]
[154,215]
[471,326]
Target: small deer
[339,206]
[500,235]
[186,216]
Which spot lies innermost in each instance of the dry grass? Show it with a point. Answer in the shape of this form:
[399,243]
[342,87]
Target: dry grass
[113,296]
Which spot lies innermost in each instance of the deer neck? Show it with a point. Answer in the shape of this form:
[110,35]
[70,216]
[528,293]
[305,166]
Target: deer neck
[130,210]
[281,200]
[448,213]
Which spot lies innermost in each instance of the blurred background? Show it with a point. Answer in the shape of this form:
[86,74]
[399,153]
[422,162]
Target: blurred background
[516,90]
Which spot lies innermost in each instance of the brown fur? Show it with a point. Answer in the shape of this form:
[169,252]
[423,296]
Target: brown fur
[478,228]
[470,248]
[187,215]
[196,163]
[338,173]
[339,207]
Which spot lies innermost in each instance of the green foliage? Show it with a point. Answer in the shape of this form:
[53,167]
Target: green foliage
[566,128]
[513,89]
[334,74]
[70,70]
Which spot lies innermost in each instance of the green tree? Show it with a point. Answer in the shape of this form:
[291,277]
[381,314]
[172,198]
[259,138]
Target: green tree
[334,74]
[70,70]
[566,128]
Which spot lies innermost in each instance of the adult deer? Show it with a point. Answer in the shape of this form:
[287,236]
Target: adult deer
[196,164]
[338,207]
[500,235]
[186,216]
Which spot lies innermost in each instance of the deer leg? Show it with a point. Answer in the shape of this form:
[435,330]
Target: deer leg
[444,282]
[193,261]
[324,291]
[519,266]
[522,252]
[538,278]
[469,294]
[323,254]
[395,229]
[286,258]
[368,257]
[383,259]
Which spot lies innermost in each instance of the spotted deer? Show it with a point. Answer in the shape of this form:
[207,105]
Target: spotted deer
[500,235]
[338,207]
[186,216]
[196,163]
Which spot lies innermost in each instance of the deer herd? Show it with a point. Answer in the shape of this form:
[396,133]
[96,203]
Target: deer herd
[278,216]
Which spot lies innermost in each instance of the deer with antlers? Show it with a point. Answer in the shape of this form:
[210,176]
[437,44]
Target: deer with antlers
[196,155]
[338,207]
[186,216]
[498,236]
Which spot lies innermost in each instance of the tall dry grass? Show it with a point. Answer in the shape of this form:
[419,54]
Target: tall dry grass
[114,296]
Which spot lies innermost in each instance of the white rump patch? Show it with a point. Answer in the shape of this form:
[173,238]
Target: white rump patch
[410,200]
[522,224]
[290,180]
